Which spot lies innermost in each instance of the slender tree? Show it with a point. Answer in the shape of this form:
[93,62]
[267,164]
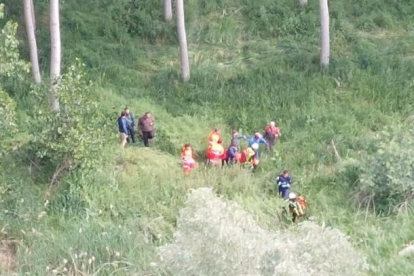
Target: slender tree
[182,37]
[167,10]
[55,54]
[33,15]
[31,38]
[303,3]
[325,41]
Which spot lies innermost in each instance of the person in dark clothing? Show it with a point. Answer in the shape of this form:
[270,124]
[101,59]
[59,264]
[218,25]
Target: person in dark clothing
[122,127]
[283,182]
[130,123]
[146,125]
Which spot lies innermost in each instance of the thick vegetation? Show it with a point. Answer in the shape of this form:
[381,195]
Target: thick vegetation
[75,203]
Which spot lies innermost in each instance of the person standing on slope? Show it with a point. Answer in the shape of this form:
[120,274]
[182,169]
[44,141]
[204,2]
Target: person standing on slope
[233,155]
[214,137]
[235,137]
[146,125]
[271,133]
[295,207]
[257,139]
[248,156]
[122,127]
[284,181]
[188,159]
[130,125]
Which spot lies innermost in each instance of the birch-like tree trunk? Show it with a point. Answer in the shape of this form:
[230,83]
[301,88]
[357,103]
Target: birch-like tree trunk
[31,38]
[325,41]
[33,15]
[303,3]
[182,37]
[167,10]
[55,55]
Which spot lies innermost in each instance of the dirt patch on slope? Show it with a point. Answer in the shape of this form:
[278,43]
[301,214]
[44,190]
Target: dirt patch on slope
[7,256]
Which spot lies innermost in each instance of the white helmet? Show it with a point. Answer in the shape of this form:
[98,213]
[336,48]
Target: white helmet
[292,196]
[255,146]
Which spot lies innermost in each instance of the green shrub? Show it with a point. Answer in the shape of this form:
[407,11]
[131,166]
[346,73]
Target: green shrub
[387,175]
[74,137]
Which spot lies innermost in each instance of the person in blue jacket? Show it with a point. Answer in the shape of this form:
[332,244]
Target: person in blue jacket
[122,127]
[257,139]
[232,153]
[130,123]
[284,181]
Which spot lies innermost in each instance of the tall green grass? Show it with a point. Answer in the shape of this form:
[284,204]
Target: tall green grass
[252,62]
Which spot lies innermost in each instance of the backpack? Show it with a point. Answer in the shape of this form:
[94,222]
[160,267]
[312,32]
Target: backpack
[302,202]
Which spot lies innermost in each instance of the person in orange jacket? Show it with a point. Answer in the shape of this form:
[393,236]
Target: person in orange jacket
[187,156]
[215,153]
[214,137]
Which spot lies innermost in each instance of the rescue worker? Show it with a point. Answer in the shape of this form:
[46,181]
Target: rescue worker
[187,156]
[248,156]
[215,153]
[271,133]
[214,136]
[283,182]
[294,207]
[257,139]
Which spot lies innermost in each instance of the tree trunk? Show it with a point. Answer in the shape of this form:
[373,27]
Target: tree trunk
[325,43]
[33,15]
[303,3]
[31,38]
[167,10]
[182,37]
[55,53]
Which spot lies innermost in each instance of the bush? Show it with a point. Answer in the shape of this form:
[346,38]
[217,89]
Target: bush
[216,237]
[75,136]
[387,175]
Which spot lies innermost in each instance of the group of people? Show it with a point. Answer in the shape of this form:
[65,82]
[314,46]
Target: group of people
[297,203]
[126,127]
[217,154]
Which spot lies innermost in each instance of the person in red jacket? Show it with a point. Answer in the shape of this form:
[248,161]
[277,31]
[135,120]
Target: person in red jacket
[271,133]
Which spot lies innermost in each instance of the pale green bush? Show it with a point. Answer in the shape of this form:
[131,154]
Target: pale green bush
[387,175]
[217,237]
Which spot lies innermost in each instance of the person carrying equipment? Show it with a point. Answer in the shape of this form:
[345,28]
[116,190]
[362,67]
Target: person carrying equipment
[295,208]
[283,182]
[187,157]
[271,133]
[248,156]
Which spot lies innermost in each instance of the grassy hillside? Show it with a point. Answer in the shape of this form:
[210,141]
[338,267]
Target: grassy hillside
[251,62]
